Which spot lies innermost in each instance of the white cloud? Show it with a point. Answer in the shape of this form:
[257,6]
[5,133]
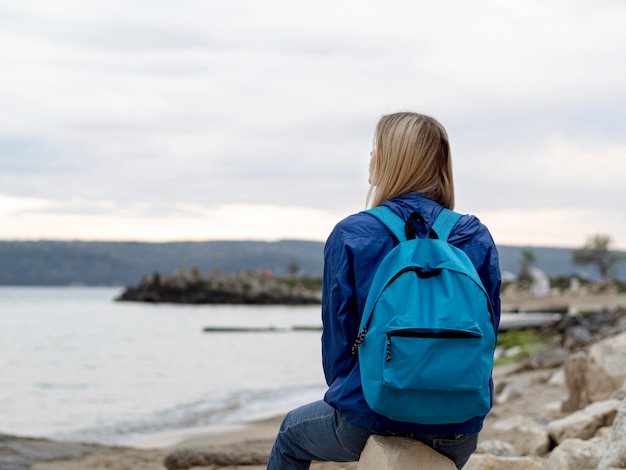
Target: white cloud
[35,219]
[554,227]
[168,103]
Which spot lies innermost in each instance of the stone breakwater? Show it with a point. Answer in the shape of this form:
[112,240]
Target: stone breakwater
[248,287]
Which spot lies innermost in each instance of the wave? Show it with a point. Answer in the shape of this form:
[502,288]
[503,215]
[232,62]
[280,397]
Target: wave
[238,409]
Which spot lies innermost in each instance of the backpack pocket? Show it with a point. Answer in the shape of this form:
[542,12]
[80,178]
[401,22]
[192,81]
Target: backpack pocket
[446,357]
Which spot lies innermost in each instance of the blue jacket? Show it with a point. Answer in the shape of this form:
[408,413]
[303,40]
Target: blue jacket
[352,253]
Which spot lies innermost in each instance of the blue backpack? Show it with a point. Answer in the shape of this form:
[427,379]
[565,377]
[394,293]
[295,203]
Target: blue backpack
[427,335]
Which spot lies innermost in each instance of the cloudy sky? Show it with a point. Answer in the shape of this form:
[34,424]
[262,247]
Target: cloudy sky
[247,119]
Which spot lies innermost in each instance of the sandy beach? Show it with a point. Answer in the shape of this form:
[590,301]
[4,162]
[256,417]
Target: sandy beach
[255,440]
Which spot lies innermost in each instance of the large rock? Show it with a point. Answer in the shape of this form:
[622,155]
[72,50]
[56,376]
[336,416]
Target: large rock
[583,424]
[496,447]
[20,453]
[615,455]
[577,454]
[525,434]
[575,368]
[606,367]
[241,454]
[493,462]
[400,453]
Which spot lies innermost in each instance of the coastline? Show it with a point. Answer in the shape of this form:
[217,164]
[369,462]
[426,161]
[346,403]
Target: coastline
[146,454]
[256,436]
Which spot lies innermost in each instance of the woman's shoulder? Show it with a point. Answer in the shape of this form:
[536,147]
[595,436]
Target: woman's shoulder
[469,227]
[359,235]
[357,225]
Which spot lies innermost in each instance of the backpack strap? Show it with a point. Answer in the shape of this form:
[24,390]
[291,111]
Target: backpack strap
[392,221]
[443,225]
[445,222]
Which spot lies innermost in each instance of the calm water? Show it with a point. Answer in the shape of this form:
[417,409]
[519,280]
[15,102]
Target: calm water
[74,364]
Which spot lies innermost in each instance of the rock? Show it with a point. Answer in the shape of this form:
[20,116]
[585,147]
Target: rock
[185,458]
[239,288]
[575,368]
[577,337]
[515,387]
[615,455]
[19,453]
[621,393]
[577,454]
[548,358]
[583,424]
[496,447]
[526,435]
[509,391]
[606,367]
[244,453]
[493,462]
[558,378]
[400,453]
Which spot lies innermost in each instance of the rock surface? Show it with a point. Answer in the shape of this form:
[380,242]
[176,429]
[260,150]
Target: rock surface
[567,417]
[398,453]
[249,287]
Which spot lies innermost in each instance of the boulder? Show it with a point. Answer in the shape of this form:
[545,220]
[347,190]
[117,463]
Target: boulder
[493,462]
[527,436]
[253,452]
[583,424]
[496,447]
[615,455]
[400,453]
[575,368]
[606,367]
[577,454]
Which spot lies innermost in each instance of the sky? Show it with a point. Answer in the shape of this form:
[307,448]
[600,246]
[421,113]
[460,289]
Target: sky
[161,120]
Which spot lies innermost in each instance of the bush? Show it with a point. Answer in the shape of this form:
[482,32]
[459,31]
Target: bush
[519,344]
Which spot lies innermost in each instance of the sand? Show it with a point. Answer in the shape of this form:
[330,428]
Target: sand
[256,438]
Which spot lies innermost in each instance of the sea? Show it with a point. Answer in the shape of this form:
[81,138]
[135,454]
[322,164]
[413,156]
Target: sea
[77,365]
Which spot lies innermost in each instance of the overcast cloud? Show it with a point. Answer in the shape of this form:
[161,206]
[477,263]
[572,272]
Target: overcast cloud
[182,119]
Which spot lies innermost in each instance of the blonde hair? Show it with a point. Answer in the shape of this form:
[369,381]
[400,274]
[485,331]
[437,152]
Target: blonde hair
[411,154]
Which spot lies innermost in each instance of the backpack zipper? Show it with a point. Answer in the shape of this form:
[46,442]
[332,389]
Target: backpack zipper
[448,334]
[359,341]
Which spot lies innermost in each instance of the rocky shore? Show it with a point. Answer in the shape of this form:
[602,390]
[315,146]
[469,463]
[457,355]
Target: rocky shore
[561,408]
[248,287]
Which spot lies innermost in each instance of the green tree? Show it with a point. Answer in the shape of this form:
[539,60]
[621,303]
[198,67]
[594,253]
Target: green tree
[293,268]
[597,252]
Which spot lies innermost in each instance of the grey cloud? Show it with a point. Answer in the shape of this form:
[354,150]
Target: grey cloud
[524,124]
[225,108]
[135,38]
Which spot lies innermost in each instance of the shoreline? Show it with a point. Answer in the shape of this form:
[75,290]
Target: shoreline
[257,433]
[252,429]
[147,453]
[256,437]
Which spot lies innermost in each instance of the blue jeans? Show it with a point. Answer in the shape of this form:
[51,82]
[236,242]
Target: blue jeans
[317,431]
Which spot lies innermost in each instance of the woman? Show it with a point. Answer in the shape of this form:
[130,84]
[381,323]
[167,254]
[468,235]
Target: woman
[410,170]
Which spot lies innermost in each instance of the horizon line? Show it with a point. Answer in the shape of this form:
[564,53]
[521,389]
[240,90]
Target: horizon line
[242,240]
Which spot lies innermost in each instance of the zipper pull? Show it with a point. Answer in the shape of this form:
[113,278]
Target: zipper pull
[359,341]
[388,356]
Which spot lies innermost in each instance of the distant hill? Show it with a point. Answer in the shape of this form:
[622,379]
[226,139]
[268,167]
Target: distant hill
[124,263]
[56,263]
